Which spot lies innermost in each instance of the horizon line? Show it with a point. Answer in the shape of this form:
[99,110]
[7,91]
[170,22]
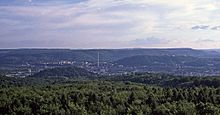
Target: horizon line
[67,48]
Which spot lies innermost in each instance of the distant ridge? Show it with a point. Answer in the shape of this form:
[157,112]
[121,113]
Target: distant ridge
[23,56]
[165,60]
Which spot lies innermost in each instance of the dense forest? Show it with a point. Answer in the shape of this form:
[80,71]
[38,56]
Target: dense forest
[150,79]
[101,97]
[166,80]
[134,94]
[69,72]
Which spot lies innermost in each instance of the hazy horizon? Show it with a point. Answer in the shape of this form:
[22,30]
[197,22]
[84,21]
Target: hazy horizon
[129,48]
[109,24]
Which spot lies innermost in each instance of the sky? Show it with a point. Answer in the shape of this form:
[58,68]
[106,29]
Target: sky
[110,24]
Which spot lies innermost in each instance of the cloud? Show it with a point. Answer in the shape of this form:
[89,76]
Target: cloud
[204,41]
[205,27]
[201,27]
[92,23]
[152,41]
[31,43]
[215,28]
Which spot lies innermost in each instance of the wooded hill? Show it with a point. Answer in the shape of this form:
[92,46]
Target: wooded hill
[68,72]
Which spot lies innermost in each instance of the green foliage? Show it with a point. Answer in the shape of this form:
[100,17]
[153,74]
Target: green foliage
[134,94]
[166,80]
[70,72]
[109,98]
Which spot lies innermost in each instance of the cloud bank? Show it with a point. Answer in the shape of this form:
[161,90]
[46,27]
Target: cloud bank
[108,23]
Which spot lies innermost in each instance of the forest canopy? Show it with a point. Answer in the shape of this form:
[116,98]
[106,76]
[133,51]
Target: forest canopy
[136,94]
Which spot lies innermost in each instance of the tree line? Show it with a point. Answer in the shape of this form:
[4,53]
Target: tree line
[109,98]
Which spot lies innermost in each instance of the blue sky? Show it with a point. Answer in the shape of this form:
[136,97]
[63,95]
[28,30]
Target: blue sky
[109,23]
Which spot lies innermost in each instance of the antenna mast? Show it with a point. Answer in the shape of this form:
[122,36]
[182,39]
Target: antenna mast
[98,60]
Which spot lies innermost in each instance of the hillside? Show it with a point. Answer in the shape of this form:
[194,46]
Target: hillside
[166,80]
[23,56]
[59,75]
[165,60]
[70,72]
